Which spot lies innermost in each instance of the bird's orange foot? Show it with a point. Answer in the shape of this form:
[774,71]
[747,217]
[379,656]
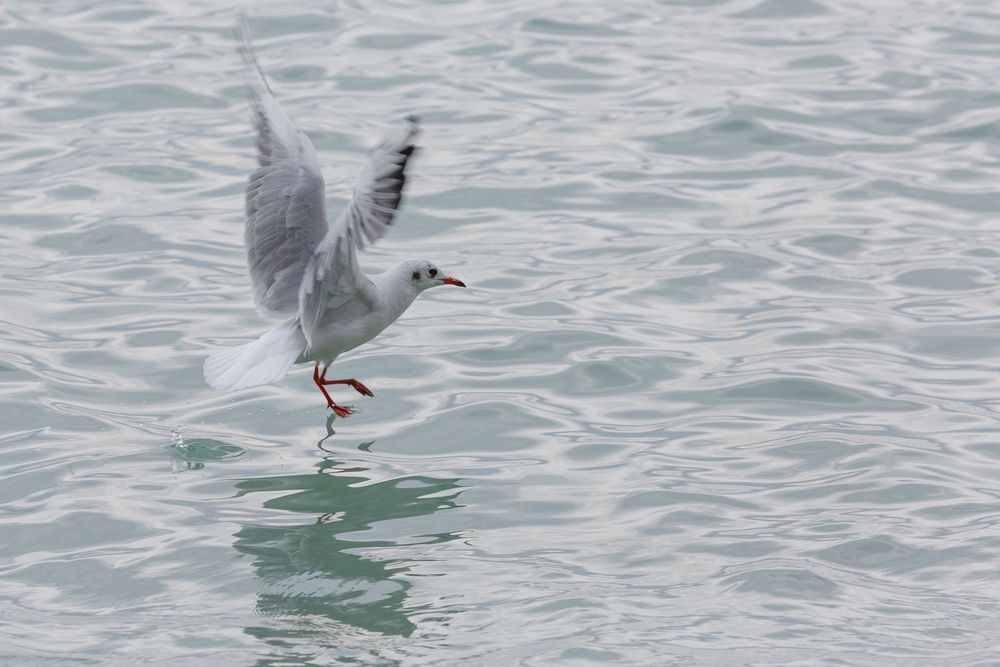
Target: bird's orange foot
[341,410]
[360,388]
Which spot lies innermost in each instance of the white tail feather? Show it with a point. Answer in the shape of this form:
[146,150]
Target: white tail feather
[265,360]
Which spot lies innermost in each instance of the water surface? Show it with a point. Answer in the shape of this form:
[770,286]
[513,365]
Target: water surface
[723,389]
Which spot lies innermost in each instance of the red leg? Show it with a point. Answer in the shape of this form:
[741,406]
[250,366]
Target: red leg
[358,387]
[341,410]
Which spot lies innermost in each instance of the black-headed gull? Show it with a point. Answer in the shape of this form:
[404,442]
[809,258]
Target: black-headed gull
[306,270]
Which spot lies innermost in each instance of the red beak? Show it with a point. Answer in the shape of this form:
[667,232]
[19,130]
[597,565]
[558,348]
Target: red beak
[450,280]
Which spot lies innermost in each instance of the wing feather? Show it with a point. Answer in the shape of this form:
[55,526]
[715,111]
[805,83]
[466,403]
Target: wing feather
[378,193]
[334,284]
[285,199]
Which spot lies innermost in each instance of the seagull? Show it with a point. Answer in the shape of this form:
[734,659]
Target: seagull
[305,270]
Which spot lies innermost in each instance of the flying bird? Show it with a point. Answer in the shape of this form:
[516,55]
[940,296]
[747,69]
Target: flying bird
[305,270]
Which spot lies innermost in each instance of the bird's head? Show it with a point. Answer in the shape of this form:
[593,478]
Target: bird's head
[423,274]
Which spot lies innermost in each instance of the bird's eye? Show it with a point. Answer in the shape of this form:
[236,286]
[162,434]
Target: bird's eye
[416,275]
[432,272]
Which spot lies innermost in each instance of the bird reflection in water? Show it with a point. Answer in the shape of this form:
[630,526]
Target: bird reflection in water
[323,572]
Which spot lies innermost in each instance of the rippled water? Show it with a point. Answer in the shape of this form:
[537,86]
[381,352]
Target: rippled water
[724,389]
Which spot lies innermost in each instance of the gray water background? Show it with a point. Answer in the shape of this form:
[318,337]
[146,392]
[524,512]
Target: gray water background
[723,390]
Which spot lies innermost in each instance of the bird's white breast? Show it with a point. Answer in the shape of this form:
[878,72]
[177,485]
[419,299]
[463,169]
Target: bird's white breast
[335,334]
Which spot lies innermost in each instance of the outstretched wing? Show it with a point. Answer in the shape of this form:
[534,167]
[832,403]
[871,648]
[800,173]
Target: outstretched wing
[333,283]
[285,199]
[379,190]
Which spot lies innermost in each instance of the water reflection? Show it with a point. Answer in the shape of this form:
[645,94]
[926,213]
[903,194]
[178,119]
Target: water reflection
[325,570]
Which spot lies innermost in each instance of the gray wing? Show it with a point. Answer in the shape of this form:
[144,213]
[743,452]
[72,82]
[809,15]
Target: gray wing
[334,284]
[379,190]
[285,200]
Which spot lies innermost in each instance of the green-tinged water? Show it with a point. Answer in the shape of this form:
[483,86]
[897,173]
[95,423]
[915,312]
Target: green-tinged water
[724,389]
